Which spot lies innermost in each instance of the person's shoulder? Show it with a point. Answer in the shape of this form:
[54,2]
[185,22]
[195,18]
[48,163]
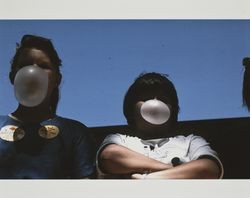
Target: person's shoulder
[119,137]
[114,135]
[184,138]
[72,128]
[189,136]
[190,139]
[70,121]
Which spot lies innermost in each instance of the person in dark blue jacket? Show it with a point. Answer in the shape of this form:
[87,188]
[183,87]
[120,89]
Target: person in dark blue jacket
[35,143]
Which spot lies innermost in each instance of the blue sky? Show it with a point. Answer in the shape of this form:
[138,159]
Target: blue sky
[101,58]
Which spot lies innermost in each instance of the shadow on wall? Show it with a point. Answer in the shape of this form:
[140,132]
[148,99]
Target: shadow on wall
[229,137]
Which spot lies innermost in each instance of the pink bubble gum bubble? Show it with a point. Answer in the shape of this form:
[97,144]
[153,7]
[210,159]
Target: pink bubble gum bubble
[31,85]
[155,112]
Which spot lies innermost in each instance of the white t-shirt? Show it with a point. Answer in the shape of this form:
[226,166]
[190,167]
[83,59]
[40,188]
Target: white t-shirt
[184,148]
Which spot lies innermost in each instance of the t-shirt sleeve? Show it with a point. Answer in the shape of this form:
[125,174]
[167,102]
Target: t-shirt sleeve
[200,148]
[110,139]
[83,162]
[113,139]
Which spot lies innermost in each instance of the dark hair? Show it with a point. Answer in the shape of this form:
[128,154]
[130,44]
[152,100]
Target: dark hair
[142,85]
[45,45]
[246,84]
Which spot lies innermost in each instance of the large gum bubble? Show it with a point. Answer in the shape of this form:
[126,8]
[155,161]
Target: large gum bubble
[155,112]
[31,85]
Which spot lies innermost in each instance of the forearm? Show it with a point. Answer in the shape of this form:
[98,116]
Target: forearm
[115,159]
[197,169]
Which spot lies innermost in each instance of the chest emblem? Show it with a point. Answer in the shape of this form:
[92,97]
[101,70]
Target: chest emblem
[48,131]
[11,133]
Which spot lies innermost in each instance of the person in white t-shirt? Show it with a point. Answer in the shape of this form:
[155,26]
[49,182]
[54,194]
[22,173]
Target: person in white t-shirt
[155,151]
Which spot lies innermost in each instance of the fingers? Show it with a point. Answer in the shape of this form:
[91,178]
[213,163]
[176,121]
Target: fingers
[138,176]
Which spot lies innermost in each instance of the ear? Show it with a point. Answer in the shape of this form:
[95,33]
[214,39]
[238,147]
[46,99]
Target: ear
[59,78]
[11,77]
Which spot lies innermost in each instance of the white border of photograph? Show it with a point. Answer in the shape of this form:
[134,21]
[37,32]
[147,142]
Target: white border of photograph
[125,9]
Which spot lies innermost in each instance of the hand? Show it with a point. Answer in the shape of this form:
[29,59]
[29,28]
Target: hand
[138,176]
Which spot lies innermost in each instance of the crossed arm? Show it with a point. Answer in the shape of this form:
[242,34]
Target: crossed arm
[116,159]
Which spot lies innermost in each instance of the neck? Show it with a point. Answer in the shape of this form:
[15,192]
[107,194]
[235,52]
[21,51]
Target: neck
[156,133]
[33,114]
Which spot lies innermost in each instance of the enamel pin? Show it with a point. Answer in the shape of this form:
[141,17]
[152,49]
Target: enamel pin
[48,131]
[11,133]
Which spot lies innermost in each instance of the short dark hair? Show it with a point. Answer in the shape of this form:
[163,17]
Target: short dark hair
[45,45]
[144,83]
[246,84]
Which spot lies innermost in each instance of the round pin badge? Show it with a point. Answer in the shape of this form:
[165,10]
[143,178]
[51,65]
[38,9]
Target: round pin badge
[48,131]
[11,133]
